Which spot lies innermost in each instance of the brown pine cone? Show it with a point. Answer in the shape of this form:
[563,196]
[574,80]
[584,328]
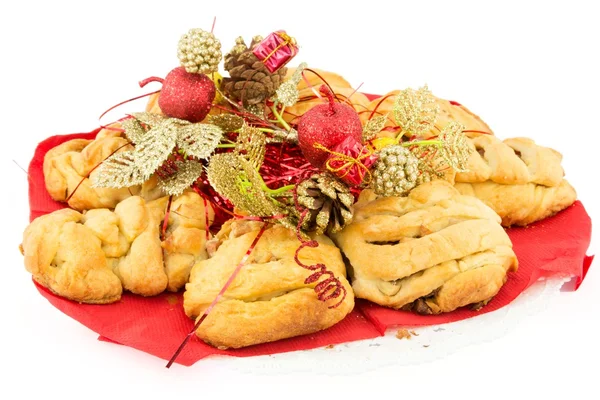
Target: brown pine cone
[249,80]
[329,201]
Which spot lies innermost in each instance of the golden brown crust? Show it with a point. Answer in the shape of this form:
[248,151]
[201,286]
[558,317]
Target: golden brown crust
[71,165]
[340,86]
[521,181]
[333,79]
[521,204]
[67,258]
[511,162]
[268,300]
[308,100]
[185,239]
[402,249]
[92,257]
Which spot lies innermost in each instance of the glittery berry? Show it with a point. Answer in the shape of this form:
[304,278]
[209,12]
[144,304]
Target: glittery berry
[395,172]
[327,124]
[186,96]
[199,52]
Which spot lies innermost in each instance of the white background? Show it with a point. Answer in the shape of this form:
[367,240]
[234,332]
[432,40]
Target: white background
[528,69]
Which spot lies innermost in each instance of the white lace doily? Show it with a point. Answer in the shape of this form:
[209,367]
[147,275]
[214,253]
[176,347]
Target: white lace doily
[432,342]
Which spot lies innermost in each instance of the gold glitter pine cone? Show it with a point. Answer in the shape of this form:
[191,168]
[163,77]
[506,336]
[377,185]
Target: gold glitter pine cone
[329,201]
[396,171]
[249,80]
[199,52]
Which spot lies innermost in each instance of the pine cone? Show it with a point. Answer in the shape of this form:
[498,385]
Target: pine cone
[329,201]
[249,81]
[395,172]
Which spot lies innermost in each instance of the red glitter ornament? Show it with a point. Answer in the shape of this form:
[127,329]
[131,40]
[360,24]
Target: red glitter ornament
[328,125]
[351,161]
[184,95]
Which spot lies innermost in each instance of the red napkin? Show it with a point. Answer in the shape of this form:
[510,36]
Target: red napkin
[157,325]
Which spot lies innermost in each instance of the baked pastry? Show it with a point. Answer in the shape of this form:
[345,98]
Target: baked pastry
[69,167]
[185,239]
[308,100]
[433,251]
[341,88]
[268,300]
[93,257]
[449,111]
[310,79]
[521,181]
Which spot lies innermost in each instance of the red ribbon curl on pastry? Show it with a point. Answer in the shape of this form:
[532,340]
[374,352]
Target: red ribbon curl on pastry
[219,295]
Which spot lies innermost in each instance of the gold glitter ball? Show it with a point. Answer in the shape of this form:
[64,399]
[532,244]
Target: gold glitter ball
[396,171]
[199,52]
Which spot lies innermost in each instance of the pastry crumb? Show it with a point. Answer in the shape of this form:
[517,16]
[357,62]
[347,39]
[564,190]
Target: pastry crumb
[329,346]
[414,333]
[403,334]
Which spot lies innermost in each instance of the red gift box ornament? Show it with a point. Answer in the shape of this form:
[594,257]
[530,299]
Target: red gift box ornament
[276,50]
[350,161]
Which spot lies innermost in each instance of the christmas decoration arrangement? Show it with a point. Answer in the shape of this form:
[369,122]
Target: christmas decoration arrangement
[267,202]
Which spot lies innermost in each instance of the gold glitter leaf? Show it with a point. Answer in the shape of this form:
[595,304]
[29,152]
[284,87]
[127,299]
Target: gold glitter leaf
[373,127]
[290,136]
[118,171]
[234,178]
[251,144]
[188,172]
[134,131]
[415,111]
[199,140]
[155,147]
[150,119]
[454,149]
[227,122]
[256,109]
[287,93]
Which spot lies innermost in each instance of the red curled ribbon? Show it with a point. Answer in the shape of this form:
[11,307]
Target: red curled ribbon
[329,288]
[219,295]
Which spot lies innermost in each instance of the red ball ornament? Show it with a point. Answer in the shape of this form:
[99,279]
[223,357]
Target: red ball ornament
[328,125]
[184,95]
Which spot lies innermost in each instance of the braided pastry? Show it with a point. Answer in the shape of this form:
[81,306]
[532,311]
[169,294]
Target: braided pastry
[269,299]
[92,257]
[69,166]
[521,181]
[309,100]
[431,252]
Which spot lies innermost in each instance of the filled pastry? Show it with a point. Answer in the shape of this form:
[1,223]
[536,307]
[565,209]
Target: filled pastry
[269,299]
[431,252]
[69,167]
[521,181]
[94,256]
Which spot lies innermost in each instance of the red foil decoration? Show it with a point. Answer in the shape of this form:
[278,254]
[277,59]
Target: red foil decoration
[350,161]
[276,50]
